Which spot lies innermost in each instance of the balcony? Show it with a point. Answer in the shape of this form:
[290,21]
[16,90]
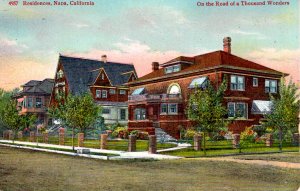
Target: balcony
[154,98]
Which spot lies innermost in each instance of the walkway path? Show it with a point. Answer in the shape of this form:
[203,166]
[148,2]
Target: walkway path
[122,154]
[258,162]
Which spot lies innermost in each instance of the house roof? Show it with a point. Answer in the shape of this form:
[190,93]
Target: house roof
[36,87]
[210,60]
[81,73]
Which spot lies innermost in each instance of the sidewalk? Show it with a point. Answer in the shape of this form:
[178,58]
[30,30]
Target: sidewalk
[257,162]
[122,154]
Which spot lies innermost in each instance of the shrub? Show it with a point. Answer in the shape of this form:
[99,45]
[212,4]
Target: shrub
[248,136]
[143,135]
[189,134]
[121,132]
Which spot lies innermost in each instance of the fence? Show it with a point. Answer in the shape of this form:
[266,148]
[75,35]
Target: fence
[196,148]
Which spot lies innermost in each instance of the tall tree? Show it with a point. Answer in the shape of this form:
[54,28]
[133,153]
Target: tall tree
[78,111]
[285,110]
[205,108]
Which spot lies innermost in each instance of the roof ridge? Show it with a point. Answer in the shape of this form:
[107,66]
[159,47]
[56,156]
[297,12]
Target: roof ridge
[96,60]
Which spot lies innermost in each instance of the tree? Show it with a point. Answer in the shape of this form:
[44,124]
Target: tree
[11,118]
[205,108]
[285,110]
[78,111]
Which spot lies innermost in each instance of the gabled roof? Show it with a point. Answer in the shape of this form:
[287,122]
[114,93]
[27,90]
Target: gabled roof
[81,73]
[211,60]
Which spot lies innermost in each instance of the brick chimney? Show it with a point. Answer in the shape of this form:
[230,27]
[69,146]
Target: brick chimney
[104,58]
[155,66]
[227,44]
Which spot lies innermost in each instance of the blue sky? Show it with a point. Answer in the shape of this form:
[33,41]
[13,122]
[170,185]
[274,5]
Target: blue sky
[141,32]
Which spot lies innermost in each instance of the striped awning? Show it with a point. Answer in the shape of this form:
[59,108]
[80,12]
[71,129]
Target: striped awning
[138,91]
[261,107]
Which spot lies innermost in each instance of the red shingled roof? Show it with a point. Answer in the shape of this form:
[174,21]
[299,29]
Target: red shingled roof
[212,59]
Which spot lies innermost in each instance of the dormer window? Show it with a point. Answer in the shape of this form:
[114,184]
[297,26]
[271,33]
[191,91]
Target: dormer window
[60,74]
[171,69]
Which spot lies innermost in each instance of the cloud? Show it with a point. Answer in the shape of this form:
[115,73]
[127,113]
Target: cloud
[249,33]
[131,51]
[10,47]
[80,25]
[284,60]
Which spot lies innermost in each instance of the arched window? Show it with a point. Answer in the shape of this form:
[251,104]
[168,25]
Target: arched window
[174,89]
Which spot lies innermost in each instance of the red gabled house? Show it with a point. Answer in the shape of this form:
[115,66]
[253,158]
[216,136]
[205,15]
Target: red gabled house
[159,99]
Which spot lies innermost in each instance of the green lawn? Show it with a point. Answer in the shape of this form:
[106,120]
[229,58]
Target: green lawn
[30,170]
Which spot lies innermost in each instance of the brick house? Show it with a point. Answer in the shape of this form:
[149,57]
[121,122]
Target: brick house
[104,80]
[159,99]
[34,98]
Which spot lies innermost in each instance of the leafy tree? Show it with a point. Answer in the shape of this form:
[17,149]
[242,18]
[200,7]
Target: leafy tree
[205,108]
[285,110]
[80,112]
[11,118]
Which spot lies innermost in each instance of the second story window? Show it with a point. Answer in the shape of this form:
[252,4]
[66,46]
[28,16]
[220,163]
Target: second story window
[104,93]
[98,93]
[171,108]
[122,92]
[255,82]
[171,69]
[271,86]
[237,83]
[38,102]
[29,102]
[112,91]
[140,114]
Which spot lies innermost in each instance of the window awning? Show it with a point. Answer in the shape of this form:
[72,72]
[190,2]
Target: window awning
[138,91]
[198,82]
[261,107]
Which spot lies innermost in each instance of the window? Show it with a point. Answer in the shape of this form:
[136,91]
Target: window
[171,69]
[172,108]
[102,76]
[123,114]
[271,86]
[60,74]
[38,102]
[164,108]
[255,82]
[237,83]
[238,110]
[140,114]
[29,102]
[122,92]
[174,89]
[106,111]
[98,93]
[112,91]
[104,93]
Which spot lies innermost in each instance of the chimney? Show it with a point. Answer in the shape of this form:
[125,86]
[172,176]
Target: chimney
[104,58]
[227,44]
[155,66]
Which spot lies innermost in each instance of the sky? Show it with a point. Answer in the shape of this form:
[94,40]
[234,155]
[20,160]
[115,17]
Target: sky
[141,32]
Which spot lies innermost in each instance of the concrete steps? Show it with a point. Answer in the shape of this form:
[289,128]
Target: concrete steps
[162,136]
